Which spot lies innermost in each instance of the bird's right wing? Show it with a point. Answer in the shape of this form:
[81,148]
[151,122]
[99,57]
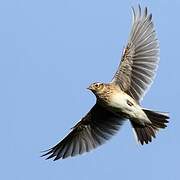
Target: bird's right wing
[93,130]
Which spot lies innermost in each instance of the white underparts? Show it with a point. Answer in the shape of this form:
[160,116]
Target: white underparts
[122,102]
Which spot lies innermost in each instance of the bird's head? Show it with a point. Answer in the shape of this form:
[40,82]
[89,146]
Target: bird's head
[96,87]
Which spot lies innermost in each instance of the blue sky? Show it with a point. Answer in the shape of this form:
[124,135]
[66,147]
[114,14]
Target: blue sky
[50,51]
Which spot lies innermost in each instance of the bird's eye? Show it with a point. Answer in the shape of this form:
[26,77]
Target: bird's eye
[96,85]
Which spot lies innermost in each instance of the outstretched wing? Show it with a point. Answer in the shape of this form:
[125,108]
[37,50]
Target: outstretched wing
[140,58]
[94,129]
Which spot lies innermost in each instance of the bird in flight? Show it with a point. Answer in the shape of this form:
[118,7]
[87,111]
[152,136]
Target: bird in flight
[119,100]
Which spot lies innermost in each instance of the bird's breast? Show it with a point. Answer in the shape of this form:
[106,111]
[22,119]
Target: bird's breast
[119,101]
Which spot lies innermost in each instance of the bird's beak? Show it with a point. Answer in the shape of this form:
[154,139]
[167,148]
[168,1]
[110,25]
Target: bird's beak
[89,88]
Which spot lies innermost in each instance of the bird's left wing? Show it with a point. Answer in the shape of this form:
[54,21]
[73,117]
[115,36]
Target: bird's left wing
[140,58]
[94,129]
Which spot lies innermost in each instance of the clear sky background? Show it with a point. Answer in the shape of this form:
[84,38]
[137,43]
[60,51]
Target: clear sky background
[50,51]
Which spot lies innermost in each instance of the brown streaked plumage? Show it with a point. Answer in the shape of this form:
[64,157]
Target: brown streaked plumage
[119,100]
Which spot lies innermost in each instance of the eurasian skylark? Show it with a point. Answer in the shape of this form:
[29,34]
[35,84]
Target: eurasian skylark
[119,100]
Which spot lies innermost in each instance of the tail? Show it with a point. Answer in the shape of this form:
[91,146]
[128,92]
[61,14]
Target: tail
[145,133]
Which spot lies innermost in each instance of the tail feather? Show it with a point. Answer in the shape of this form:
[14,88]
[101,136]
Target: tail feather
[146,132]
